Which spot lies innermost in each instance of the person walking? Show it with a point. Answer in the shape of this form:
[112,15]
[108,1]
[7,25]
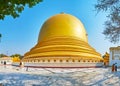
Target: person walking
[21,64]
[113,67]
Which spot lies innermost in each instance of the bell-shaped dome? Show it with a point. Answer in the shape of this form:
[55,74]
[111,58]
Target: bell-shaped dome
[62,38]
[62,25]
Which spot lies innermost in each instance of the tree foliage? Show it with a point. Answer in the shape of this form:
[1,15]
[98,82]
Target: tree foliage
[3,55]
[112,25]
[15,7]
[15,55]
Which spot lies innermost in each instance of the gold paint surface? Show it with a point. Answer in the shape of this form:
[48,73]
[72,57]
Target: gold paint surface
[62,25]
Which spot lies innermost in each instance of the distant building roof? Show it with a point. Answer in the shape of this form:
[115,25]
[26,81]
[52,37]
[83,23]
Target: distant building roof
[5,58]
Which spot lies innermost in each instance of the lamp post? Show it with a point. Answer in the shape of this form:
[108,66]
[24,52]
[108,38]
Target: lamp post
[0,36]
[0,41]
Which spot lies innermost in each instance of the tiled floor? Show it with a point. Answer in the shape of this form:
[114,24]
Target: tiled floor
[15,76]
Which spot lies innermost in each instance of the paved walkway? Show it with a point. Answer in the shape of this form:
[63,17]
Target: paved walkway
[15,76]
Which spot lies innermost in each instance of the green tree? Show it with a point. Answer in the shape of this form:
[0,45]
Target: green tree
[15,55]
[112,24]
[15,7]
[3,55]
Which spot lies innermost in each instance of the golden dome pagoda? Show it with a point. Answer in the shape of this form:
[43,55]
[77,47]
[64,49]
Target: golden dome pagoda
[106,59]
[62,41]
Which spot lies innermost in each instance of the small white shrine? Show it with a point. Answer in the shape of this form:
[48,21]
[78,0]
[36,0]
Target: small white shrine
[5,60]
[114,55]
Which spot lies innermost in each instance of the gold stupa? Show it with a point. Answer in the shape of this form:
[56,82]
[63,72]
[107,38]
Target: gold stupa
[62,42]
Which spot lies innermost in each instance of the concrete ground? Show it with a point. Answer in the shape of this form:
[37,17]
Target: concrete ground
[15,76]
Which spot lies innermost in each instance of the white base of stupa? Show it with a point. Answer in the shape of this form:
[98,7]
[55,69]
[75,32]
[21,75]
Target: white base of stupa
[61,65]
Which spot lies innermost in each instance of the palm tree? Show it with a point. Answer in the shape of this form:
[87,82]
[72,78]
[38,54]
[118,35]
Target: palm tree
[0,37]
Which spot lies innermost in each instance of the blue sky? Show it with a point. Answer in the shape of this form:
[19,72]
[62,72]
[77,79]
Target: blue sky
[21,34]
